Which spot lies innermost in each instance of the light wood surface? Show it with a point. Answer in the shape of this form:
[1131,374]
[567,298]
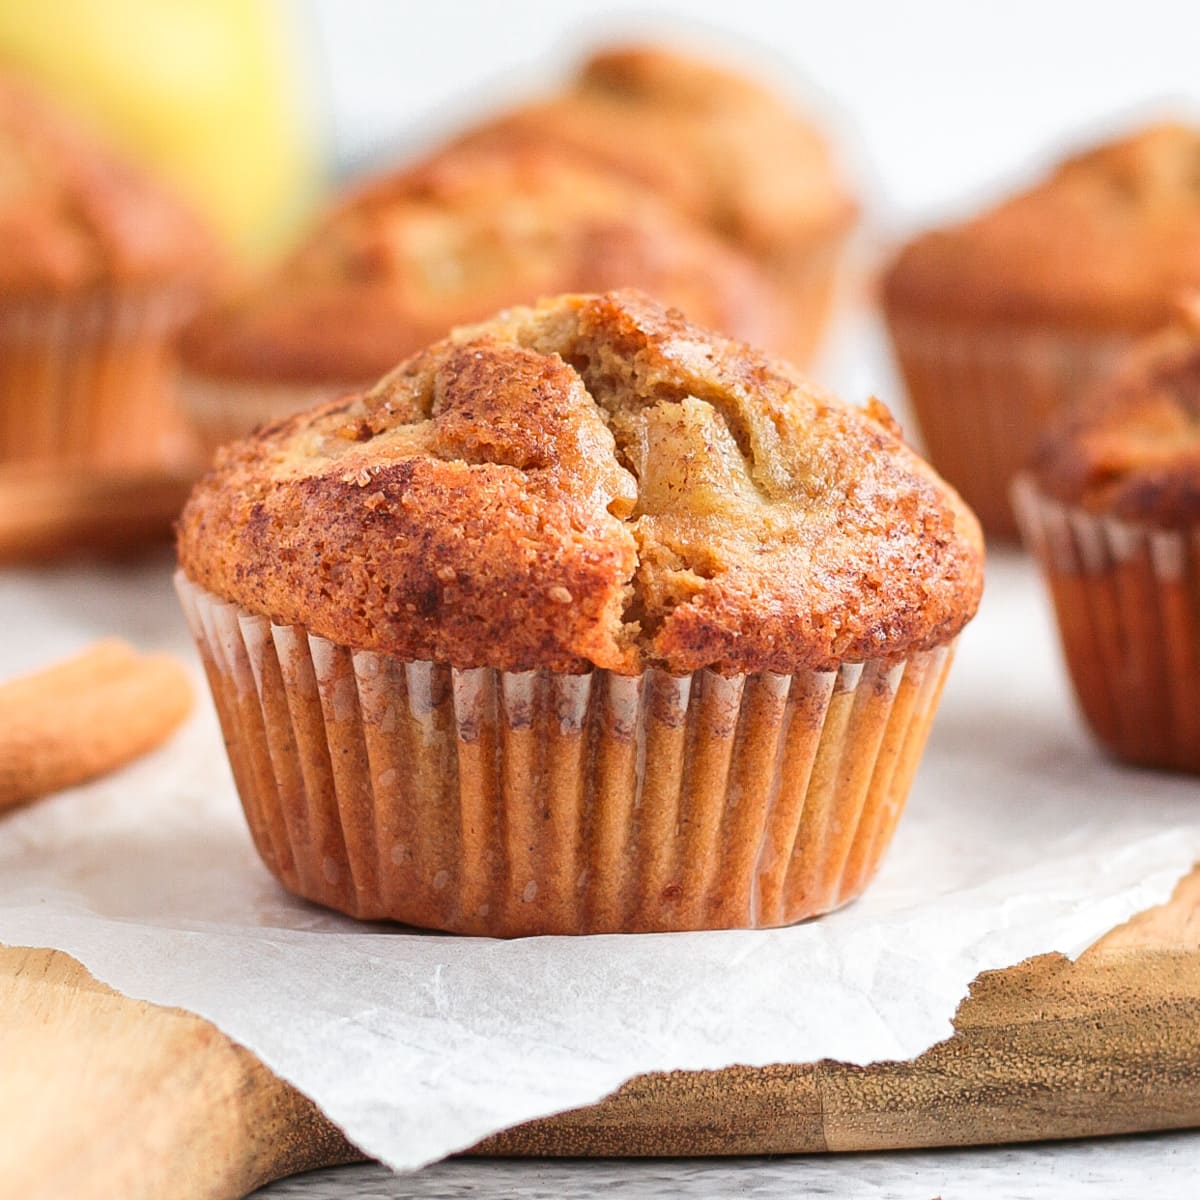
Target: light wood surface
[105,1096]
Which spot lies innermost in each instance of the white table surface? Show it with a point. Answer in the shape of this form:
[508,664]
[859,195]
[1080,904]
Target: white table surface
[1150,1167]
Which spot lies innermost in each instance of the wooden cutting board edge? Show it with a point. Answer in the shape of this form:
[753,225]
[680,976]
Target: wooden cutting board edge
[102,1095]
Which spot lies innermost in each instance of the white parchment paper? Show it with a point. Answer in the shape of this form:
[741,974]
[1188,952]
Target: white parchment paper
[1020,838]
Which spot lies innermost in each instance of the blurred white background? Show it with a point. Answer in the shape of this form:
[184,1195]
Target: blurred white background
[936,103]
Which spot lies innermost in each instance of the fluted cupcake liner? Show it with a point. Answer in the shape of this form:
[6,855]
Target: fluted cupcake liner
[515,803]
[1127,599]
[221,410]
[981,397]
[91,380]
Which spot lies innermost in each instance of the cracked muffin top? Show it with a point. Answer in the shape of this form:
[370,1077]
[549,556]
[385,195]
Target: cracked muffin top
[591,482]
[1132,447]
[75,215]
[1106,243]
[715,143]
[412,254]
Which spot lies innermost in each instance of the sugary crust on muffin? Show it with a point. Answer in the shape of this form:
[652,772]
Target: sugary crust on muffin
[1104,244]
[732,153]
[74,215]
[592,481]
[1132,447]
[412,254]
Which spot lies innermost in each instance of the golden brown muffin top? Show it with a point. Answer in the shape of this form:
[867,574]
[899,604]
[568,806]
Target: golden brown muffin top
[592,481]
[1105,243]
[1131,448]
[75,215]
[718,145]
[411,254]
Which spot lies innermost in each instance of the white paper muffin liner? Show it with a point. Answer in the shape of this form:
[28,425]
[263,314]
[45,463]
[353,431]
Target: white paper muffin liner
[91,380]
[1127,599]
[222,410]
[515,803]
[981,397]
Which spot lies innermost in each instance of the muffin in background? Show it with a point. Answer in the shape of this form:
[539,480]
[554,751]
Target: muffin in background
[1002,320]
[411,254]
[720,146]
[100,268]
[1111,508]
[583,619]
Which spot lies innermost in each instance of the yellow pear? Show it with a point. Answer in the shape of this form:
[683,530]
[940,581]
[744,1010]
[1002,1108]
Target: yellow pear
[210,93]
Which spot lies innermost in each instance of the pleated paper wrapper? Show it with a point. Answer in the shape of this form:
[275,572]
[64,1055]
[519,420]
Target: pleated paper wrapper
[510,803]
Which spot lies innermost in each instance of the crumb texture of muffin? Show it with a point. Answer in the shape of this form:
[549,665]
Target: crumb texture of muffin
[409,255]
[592,482]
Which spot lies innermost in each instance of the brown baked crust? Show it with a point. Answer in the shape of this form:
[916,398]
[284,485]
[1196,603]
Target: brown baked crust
[592,481]
[725,149]
[412,254]
[1131,449]
[1105,243]
[75,216]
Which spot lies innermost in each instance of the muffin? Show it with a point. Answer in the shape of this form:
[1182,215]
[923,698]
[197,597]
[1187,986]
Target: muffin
[1111,508]
[717,145]
[410,255]
[584,619]
[1002,320]
[100,269]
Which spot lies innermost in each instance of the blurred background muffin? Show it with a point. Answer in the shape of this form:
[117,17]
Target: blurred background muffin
[412,253]
[1111,508]
[1001,320]
[100,266]
[718,145]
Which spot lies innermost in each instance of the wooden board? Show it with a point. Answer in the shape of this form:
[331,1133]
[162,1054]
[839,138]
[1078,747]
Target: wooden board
[104,1096]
